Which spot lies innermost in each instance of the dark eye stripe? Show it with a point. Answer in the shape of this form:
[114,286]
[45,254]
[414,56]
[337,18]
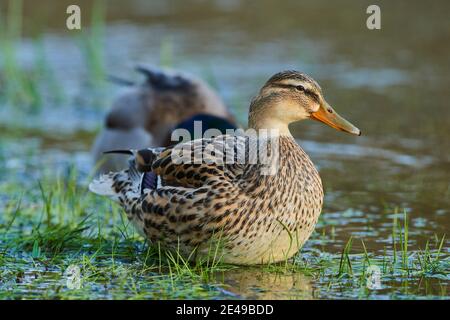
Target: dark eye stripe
[313,95]
[282,85]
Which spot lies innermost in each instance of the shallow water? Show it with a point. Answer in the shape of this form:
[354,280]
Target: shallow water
[392,83]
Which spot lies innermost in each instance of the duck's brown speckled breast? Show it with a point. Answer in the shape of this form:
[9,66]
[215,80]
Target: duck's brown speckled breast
[284,209]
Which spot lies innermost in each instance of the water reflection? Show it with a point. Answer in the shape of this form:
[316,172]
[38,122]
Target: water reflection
[255,283]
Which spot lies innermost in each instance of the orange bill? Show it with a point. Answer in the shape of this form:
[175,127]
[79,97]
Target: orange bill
[327,115]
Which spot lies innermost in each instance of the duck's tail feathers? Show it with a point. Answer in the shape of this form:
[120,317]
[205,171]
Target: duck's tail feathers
[133,180]
[120,81]
[121,151]
[103,185]
[163,79]
[117,185]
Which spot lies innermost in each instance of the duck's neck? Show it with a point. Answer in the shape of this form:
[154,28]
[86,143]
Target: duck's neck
[271,127]
[263,117]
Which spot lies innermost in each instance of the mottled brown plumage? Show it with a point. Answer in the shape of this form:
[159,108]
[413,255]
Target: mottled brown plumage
[245,212]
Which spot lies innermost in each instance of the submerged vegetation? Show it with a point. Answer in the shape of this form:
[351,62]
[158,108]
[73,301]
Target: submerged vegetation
[50,223]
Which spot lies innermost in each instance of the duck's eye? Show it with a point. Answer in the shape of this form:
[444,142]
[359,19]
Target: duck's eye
[300,88]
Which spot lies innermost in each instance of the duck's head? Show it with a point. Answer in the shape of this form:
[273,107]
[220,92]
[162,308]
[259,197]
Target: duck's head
[291,96]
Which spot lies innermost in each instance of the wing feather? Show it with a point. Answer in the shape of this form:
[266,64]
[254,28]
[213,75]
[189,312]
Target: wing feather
[194,163]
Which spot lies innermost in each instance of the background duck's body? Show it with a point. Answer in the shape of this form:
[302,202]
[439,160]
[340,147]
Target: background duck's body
[145,114]
[244,212]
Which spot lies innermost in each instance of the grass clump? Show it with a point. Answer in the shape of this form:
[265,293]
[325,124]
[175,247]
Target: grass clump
[400,272]
[58,224]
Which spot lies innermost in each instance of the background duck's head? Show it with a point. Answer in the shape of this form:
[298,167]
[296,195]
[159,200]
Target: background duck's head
[205,122]
[291,96]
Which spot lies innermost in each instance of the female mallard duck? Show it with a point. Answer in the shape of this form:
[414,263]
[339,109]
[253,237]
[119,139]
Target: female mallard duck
[253,215]
[145,115]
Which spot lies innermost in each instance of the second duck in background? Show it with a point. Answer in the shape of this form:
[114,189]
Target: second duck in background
[147,113]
